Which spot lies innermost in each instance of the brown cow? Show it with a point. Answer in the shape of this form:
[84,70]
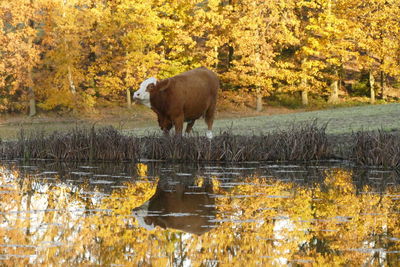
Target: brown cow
[182,98]
[181,207]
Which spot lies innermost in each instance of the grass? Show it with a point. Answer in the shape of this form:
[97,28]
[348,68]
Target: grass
[339,121]
[141,121]
[119,118]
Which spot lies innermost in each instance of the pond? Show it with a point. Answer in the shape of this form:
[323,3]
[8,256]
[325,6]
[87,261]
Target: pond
[161,214]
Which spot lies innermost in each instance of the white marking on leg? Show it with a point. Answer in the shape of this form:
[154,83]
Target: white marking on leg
[209,134]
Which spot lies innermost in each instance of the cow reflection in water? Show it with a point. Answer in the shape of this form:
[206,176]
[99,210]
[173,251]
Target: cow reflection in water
[182,206]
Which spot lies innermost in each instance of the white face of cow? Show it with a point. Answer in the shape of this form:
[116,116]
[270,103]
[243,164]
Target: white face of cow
[140,213]
[142,95]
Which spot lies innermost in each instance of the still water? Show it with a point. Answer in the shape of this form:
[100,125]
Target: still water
[158,214]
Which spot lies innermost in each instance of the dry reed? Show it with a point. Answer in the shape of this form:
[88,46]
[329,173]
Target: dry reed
[307,142]
[300,142]
[378,148]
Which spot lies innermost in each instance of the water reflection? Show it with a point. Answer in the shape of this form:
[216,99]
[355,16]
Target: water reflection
[155,214]
[185,206]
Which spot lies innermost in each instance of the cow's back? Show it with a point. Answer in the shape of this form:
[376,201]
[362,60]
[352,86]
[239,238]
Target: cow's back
[196,90]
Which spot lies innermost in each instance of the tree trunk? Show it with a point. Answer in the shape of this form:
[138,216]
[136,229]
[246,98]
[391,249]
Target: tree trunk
[230,56]
[71,81]
[372,87]
[216,57]
[383,95]
[128,98]
[334,97]
[304,92]
[259,102]
[72,87]
[304,97]
[31,93]
[230,47]
[28,211]
[256,64]
[32,103]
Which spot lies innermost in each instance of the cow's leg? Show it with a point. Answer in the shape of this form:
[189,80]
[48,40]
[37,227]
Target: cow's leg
[209,118]
[189,126]
[178,123]
[167,127]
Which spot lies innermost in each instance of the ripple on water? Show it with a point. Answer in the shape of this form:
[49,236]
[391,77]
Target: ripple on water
[105,182]
[81,173]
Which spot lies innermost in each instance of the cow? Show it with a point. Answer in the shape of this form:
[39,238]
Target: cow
[179,206]
[182,98]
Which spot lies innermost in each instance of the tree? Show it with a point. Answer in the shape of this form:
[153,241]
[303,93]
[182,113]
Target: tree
[376,33]
[179,45]
[19,54]
[300,73]
[66,29]
[259,30]
[211,30]
[330,45]
[124,47]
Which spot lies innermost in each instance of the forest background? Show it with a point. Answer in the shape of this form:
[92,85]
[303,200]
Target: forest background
[77,55]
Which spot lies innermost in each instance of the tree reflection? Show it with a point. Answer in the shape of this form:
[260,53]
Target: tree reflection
[255,222]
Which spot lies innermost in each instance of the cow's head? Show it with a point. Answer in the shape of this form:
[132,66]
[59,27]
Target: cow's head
[142,94]
[141,215]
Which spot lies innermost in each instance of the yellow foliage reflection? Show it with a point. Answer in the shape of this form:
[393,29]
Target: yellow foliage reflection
[256,221]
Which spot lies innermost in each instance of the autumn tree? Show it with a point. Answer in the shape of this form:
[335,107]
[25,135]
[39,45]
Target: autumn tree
[376,33]
[330,45]
[74,54]
[259,30]
[301,72]
[19,54]
[66,28]
[211,30]
[123,47]
[178,47]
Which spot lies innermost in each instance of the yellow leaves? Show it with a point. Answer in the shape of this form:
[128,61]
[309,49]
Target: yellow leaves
[216,184]
[19,54]
[141,169]
[199,181]
[57,98]
[134,195]
[339,181]
[258,32]
[111,46]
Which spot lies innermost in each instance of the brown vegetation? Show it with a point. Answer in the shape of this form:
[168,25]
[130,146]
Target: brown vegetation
[377,148]
[307,142]
[301,142]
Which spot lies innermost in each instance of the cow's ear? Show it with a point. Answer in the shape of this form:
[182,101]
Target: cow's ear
[164,84]
[150,88]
